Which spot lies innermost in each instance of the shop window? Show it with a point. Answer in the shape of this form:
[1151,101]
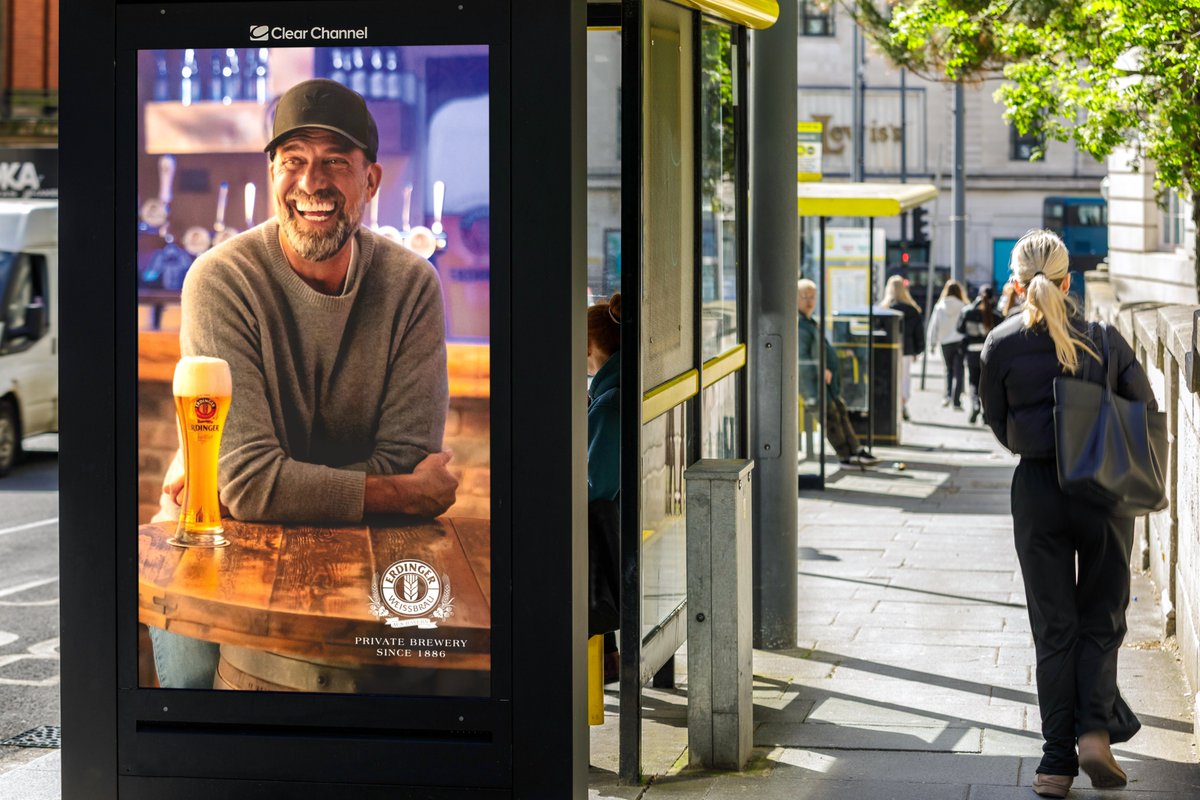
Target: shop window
[816,17]
[1174,220]
[1022,145]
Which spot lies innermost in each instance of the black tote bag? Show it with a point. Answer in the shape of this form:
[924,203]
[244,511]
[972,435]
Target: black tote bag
[1111,451]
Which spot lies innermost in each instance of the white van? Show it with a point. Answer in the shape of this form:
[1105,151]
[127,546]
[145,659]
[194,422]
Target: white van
[28,324]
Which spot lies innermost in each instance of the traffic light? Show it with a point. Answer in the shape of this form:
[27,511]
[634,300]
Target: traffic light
[920,224]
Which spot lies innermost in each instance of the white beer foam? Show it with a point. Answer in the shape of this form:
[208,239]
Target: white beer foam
[202,375]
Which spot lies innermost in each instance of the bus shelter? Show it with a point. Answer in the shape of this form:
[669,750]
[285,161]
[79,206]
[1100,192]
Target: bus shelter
[870,200]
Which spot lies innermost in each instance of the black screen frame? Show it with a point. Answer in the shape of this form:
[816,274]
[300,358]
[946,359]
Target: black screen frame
[154,723]
[540,736]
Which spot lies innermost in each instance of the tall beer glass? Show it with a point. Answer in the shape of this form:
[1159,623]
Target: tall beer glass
[203,387]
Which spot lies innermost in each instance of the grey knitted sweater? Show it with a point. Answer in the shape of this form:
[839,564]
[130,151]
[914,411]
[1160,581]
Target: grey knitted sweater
[326,389]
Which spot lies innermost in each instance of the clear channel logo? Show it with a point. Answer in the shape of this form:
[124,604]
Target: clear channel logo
[279,33]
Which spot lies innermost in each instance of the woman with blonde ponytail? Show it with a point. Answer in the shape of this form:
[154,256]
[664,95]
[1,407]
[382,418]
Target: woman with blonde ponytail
[1077,615]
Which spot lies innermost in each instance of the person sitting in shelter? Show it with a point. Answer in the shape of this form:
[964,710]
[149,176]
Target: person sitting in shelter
[604,453]
[838,429]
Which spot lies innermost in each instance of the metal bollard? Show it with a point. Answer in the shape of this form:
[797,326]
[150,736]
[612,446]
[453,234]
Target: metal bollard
[720,613]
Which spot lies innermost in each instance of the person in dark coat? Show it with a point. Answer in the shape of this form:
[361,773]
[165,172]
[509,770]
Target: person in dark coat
[604,425]
[604,400]
[1074,555]
[974,323]
[838,429]
[912,333]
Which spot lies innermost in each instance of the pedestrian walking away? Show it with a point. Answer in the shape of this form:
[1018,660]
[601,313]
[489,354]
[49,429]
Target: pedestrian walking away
[912,332]
[975,322]
[1074,555]
[1010,301]
[943,334]
[837,425]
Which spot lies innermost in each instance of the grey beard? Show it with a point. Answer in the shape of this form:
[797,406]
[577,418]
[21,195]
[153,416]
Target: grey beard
[313,246]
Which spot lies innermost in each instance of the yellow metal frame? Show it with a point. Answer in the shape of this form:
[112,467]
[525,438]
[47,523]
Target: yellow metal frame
[596,680]
[823,199]
[664,397]
[684,387]
[754,14]
[724,365]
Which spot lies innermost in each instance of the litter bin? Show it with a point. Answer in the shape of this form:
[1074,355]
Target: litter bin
[850,340]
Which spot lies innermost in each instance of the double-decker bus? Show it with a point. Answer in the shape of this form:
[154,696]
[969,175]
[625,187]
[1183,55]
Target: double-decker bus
[1082,222]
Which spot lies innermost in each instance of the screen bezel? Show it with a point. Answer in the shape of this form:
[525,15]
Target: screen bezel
[433,730]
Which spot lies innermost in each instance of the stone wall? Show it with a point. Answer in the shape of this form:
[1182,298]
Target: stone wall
[1169,541]
[468,434]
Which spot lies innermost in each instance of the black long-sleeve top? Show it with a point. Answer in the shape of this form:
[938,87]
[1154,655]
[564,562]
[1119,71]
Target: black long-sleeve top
[1016,383]
[912,331]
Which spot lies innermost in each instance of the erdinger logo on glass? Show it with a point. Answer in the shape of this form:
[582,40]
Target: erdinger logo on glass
[205,408]
[411,594]
[280,33]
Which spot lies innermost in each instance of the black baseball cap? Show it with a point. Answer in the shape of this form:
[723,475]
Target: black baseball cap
[322,103]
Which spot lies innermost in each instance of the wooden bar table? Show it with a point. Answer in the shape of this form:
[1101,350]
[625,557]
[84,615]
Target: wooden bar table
[398,606]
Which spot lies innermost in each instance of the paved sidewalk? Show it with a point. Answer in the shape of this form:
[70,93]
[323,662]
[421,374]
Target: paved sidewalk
[37,779]
[913,677]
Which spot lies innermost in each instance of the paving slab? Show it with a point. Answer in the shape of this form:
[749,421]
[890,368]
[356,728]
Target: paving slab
[966,620]
[942,738]
[34,780]
[905,767]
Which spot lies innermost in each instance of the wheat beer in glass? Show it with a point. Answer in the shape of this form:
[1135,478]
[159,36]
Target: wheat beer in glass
[203,387]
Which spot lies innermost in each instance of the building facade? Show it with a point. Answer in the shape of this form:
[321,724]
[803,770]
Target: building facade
[29,72]
[1151,238]
[1005,190]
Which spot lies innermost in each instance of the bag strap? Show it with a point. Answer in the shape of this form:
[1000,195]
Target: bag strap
[1110,364]
[1098,335]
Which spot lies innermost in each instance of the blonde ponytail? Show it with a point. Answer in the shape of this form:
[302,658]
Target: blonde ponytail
[1040,265]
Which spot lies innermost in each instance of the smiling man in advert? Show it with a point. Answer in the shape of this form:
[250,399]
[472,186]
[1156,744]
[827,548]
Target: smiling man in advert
[335,338]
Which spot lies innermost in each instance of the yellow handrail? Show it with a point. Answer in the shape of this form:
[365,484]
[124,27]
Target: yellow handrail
[665,396]
[724,365]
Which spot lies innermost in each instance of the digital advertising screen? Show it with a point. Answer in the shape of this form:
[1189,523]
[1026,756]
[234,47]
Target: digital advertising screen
[314,430]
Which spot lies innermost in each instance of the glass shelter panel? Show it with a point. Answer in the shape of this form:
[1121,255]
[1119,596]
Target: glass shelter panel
[603,163]
[664,548]
[718,188]
[668,196]
[719,421]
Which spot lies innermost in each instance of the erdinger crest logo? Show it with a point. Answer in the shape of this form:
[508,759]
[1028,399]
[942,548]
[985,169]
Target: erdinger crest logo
[411,594]
[205,408]
[259,33]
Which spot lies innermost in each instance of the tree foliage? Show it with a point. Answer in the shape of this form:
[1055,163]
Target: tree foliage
[1100,73]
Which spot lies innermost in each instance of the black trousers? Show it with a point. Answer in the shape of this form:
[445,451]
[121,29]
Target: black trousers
[952,354]
[1078,621]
